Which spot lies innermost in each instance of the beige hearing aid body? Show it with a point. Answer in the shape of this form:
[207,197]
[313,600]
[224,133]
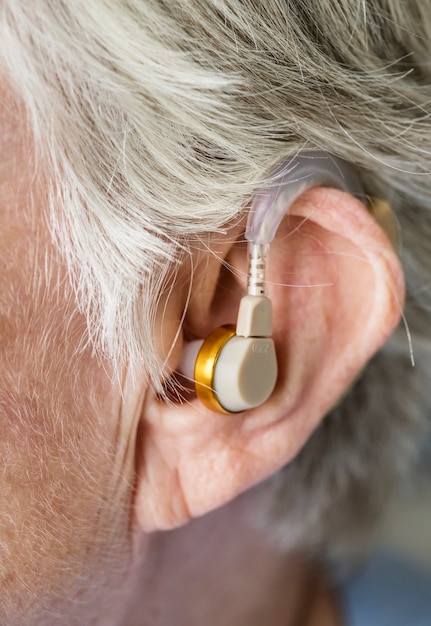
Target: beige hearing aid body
[235,369]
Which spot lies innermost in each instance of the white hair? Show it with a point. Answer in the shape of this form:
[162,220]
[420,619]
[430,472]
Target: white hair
[155,120]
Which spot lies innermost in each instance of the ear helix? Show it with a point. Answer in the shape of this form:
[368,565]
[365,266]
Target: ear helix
[235,368]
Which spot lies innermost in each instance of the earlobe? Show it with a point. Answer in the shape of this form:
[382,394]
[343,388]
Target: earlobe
[336,288]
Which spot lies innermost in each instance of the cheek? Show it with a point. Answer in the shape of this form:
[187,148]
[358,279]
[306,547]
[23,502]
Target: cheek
[61,506]
[64,487]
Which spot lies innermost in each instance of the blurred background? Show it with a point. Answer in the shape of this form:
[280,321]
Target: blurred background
[406,527]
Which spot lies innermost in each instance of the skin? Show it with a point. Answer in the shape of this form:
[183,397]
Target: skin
[92,471]
[60,450]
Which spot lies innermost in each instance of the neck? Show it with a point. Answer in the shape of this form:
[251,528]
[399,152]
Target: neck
[218,569]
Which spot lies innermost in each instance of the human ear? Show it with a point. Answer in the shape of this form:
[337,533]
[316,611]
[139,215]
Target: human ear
[235,367]
[337,289]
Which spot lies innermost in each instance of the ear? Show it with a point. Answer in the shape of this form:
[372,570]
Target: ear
[337,291]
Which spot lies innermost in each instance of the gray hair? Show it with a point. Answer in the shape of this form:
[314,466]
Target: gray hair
[155,121]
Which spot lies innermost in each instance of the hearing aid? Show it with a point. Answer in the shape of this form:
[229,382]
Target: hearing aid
[235,368]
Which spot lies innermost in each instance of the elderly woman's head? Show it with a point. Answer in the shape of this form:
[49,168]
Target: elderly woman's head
[134,136]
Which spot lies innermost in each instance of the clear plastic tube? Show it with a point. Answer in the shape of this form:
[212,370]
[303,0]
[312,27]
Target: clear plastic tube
[290,180]
[271,203]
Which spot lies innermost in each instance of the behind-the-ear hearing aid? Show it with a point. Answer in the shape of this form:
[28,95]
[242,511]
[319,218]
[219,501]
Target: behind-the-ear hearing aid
[235,368]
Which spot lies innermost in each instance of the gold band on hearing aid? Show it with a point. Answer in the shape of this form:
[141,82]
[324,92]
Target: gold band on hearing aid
[206,361]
